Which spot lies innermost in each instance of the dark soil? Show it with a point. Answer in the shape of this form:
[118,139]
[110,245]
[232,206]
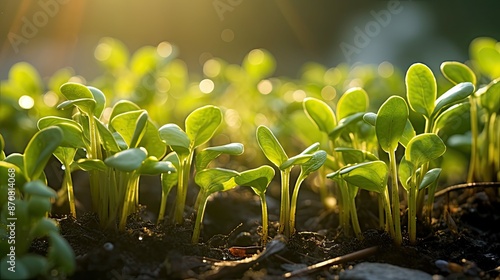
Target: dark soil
[469,238]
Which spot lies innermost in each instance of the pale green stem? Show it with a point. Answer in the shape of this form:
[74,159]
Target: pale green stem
[491,148]
[284,227]
[474,147]
[182,186]
[388,213]
[132,182]
[293,204]
[345,211]
[354,219]
[395,199]
[69,185]
[265,229]
[381,222]
[199,216]
[412,211]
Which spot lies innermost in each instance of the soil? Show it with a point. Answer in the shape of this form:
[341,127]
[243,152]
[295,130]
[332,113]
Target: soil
[465,233]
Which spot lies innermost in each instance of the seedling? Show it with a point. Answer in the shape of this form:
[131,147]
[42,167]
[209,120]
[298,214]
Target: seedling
[210,182]
[274,152]
[371,176]
[258,179]
[200,125]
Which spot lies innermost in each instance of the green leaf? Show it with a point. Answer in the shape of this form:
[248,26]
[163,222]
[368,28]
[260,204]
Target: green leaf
[107,138]
[317,160]
[320,113]
[65,155]
[424,148]
[391,121]
[258,179]
[370,118]
[408,134]
[345,123]
[421,89]
[72,131]
[457,72]
[39,150]
[270,146]
[91,164]
[215,180]
[123,106]
[128,160]
[38,188]
[100,100]
[151,166]
[430,177]
[61,254]
[352,156]
[452,96]
[405,172]
[295,160]
[86,105]
[204,157]
[80,96]
[451,115]
[125,125]
[202,123]
[485,54]
[175,137]
[490,98]
[354,100]
[39,206]
[140,130]
[170,179]
[371,176]
[311,149]
[6,169]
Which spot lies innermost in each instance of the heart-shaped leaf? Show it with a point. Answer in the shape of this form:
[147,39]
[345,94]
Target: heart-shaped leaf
[204,157]
[202,123]
[175,137]
[457,72]
[258,179]
[452,96]
[270,146]
[424,148]
[421,89]
[391,121]
[39,150]
[320,113]
[128,160]
[354,100]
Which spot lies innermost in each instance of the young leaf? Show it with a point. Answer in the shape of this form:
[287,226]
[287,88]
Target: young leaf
[371,176]
[424,148]
[354,100]
[213,180]
[295,160]
[91,164]
[151,166]
[80,96]
[452,96]
[451,115]
[490,98]
[107,139]
[140,129]
[391,121]
[86,105]
[320,113]
[39,150]
[258,179]
[352,156]
[123,106]
[204,157]
[404,173]
[270,146]
[370,118]
[202,123]
[175,137]
[457,72]
[128,160]
[72,131]
[125,125]
[38,188]
[430,177]
[421,89]
[408,134]
[344,124]
[170,179]
[317,160]
[100,100]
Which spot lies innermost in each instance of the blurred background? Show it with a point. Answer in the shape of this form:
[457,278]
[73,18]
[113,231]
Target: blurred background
[52,34]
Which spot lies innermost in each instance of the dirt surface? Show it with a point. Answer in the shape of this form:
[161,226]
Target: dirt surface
[468,238]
